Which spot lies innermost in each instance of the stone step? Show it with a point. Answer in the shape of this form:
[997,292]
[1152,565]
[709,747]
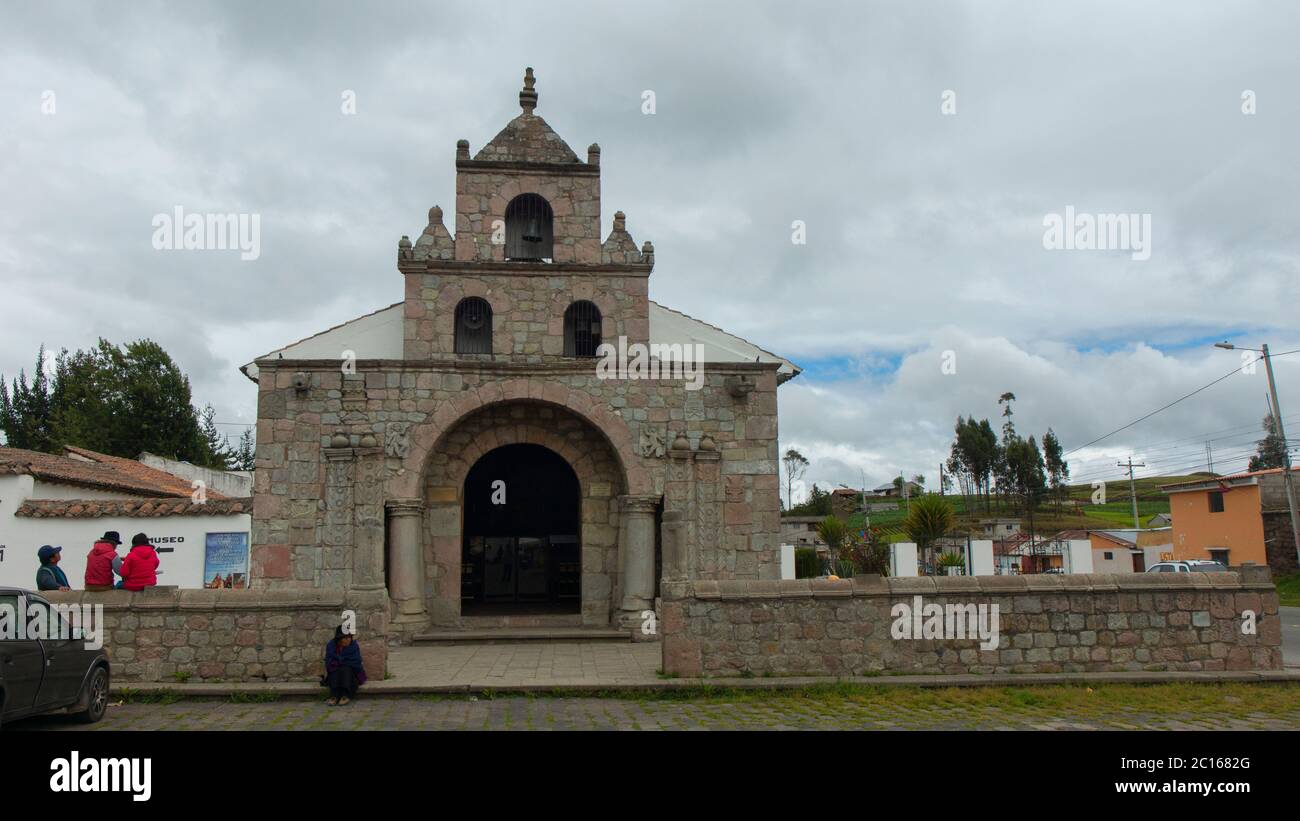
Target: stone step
[521,620]
[499,635]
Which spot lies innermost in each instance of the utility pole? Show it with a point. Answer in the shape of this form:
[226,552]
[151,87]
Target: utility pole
[941,493]
[1209,458]
[1132,489]
[1287,479]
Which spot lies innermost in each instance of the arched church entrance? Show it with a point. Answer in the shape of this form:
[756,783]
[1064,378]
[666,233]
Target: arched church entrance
[521,550]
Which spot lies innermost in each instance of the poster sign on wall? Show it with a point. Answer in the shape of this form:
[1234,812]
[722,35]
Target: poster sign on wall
[225,561]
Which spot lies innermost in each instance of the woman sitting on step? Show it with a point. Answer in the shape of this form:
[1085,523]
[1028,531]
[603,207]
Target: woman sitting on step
[343,670]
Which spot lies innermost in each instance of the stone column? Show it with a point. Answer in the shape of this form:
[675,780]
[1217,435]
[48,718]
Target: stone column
[638,558]
[406,558]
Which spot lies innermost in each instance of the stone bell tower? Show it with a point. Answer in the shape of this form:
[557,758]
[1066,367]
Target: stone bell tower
[527,247]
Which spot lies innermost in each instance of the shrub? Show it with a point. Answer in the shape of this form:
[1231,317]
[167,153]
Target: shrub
[832,531]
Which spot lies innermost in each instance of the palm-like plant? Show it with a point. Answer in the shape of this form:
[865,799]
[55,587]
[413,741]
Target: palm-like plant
[832,531]
[929,518]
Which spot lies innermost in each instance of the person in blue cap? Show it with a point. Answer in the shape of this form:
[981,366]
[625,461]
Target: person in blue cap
[49,576]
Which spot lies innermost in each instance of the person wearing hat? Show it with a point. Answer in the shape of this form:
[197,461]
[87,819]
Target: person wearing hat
[343,670]
[102,560]
[140,567]
[49,576]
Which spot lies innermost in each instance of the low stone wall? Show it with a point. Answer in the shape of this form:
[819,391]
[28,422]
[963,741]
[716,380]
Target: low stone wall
[165,634]
[1047,623]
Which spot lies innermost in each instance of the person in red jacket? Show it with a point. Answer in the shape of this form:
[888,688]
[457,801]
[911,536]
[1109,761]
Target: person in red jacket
[140,567]
[102,561]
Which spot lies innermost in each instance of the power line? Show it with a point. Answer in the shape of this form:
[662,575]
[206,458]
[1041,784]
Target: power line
[1176,401]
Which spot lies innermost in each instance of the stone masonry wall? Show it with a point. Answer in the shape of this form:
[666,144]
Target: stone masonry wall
[527,309]
[1279,541]
[729,493]
[1048,623]
[166,634]
[574,197]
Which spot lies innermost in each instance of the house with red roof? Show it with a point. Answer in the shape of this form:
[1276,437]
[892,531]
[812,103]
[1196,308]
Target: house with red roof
[69,500]
[1234,519]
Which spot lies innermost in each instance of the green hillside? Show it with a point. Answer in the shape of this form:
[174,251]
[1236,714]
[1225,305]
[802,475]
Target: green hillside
[1117,512]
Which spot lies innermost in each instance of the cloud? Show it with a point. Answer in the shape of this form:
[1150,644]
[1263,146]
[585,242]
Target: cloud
[924,231]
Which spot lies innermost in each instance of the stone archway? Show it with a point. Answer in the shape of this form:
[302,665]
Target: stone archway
[424,437]
[426,508]
[602,489]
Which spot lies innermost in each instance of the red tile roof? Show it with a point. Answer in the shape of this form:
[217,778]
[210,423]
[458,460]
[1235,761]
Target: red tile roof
[102,472]
[129,508]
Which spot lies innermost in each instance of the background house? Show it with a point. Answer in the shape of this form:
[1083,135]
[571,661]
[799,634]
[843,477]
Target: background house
[1233,519]
[70,500]
[891,491]
[999,528]
[1122,550]
[801,531]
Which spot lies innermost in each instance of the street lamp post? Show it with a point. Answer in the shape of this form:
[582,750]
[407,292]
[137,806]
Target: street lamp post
[1287,479]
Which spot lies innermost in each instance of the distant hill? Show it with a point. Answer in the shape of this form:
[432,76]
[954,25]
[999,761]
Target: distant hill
[1117,512]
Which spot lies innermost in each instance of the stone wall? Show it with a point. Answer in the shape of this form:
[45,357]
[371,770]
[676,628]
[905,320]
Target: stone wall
[329,456]
[1047,623]
[483,192]
[1279,540]
[166,634]
[528,304]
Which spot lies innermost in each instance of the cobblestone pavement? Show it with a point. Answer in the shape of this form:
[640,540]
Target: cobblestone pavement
[767,712]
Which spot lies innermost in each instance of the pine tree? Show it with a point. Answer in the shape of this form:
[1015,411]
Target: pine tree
[1271,450]
[1058,470]
[246,452]
[216,447]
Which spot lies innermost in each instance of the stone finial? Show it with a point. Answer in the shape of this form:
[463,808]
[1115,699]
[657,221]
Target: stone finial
[681,442]
[528,95]
[435,215]
[707,443]
[648,252]
[404,247]
[462,149]
[593,154]
[620,221]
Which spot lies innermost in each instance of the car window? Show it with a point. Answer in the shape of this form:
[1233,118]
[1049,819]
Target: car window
[1182,568]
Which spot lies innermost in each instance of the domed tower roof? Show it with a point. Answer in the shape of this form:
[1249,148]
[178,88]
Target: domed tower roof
[527,138]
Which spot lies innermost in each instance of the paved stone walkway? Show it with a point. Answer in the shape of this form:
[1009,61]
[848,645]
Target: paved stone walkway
[556,664]
[763,713]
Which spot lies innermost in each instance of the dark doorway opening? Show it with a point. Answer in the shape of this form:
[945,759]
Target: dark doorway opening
[521,552]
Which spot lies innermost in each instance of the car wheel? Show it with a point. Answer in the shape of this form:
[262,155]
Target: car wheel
[96,697]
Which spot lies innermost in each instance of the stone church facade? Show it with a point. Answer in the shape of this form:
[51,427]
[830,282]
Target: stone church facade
[461,451]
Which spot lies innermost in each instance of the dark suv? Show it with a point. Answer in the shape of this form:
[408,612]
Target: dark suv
[46,675]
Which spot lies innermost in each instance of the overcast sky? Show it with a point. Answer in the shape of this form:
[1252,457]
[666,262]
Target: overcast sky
[924,229]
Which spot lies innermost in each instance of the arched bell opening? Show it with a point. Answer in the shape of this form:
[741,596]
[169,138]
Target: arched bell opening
[530,229]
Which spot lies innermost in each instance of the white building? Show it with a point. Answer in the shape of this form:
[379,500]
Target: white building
[72,500]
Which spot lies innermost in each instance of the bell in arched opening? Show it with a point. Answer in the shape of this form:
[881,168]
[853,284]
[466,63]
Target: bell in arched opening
[529,229]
